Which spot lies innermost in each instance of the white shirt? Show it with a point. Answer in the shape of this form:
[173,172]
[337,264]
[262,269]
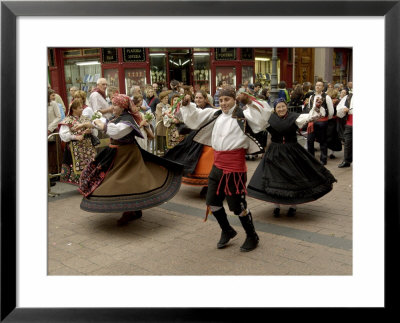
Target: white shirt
[97,102]
[328,101]
[226,133]
[339,109]
[53,116]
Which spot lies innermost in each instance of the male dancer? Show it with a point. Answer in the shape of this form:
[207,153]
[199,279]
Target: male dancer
[230,133]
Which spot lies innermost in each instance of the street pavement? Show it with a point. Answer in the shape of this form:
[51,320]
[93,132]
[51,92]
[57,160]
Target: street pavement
[173,239]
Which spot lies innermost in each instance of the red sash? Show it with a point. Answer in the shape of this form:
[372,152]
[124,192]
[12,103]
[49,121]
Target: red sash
[233,164]
[349,121]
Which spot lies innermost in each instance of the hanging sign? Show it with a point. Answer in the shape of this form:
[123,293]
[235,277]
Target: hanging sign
[134,54]
[225,54]
[110,55]
[247,54]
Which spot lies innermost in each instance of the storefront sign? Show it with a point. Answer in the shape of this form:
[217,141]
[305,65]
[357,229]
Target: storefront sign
[110,55]
[134,54]
[247,54]
[225,54]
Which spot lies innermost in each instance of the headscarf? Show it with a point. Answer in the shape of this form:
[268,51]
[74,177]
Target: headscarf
[279,100]
[121,100]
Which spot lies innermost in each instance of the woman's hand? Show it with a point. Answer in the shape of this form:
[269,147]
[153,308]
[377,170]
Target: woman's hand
[98,124]
[79,137]
[87,131]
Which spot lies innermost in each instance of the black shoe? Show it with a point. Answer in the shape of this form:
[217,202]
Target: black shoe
[250,243]
[225,237]
[52,184]
[128,217]
[291,212]
[344,164]
[277,212]
[332,156]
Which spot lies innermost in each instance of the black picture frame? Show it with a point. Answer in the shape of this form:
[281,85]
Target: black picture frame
[10,10]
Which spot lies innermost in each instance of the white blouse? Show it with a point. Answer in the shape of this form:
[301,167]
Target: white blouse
[66,134]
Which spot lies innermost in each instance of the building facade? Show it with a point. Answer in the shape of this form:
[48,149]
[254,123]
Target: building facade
[200,67]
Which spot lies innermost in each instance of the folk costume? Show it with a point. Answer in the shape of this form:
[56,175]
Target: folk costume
[123,177]
[77,154]
[318,130]
[288,174]
[333,140]
[230,134]
[347,102]
[196,158]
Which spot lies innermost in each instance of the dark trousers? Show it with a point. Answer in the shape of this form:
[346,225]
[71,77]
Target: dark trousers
[319,134]
[348,144]
[236,202]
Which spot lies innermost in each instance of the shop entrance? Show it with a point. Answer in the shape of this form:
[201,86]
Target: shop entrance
[179,67]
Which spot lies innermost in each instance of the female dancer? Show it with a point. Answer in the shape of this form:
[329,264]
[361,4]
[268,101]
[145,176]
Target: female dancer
[288,174]
[123,177]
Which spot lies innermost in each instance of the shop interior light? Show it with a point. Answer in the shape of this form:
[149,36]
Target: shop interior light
[157,54]
[201,54]
[88,63]
[185,62]
[262,59]
[171,61]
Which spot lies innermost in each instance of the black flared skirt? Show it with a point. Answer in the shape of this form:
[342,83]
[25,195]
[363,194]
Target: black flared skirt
[187,153]
[288,174]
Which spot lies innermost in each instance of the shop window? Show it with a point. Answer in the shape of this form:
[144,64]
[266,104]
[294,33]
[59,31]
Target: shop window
[247,74]
[111,75]
[227,74]
[134,76]
[263,70]
[71,53]
[91,51]
[158,69]
[201,72]
[82,74]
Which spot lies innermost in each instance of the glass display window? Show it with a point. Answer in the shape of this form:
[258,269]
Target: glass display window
[112,77]
[158,69]
[134,76]
[82,74]
[227,74]
[201,72]
[263,69]
[247,74]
